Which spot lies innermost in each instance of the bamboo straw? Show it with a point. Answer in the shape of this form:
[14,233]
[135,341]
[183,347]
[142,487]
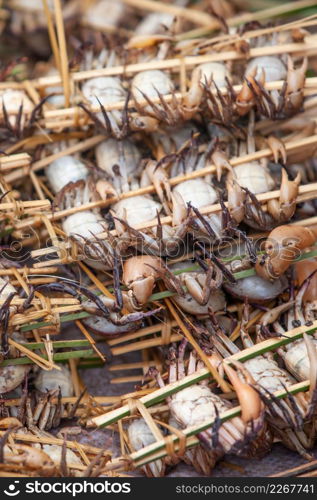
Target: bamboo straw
[307,48]
[63,58]
[249,353]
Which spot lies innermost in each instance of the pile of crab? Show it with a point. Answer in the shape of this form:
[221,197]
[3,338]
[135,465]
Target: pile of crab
[182,175]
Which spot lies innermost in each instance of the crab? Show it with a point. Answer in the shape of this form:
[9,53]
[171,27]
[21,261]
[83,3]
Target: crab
[290,418]
[245,435]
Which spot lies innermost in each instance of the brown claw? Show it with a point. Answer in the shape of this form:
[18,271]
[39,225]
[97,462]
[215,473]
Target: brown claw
[246,98]
[236,200]
[220,159]
[312,355]
[284,208]
[249,399]
[295,82]
[282,246]
[278,149]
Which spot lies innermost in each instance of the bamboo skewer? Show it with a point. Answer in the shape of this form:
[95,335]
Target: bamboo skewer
[163,393]
[308,48]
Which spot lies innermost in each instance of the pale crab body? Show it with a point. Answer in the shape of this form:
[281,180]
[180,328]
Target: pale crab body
[150,83]
[192,405]
[297,360]
[104,14]
[120,160]
[201,294]
[199,194]
[13,101]
[103,91]
[257,289]
[85,224]
[137,210]
[253,176]
[267,373]
[154,23]
[212,72]
[140,435]
[273,68]
[64,170]
[129,213]
[197,404]
[12,376]
[107,89]
[55,379]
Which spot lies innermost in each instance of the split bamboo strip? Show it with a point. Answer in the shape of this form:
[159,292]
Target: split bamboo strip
[53,440]
[306,192]
[305,48]
[26,206]
[76,117]
[52,35]
[76,148]
[13,161]
[163,393]
[295,471]
[153,451]
[62,49]
[248,17]
[91,341]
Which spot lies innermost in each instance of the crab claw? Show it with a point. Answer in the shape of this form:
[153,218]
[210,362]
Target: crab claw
[249,399]
[145,41]
[139,275]
[236,200]
[220,159]
[147,123]
[278,149]
[295,82]
[179,209]
[193,97]
[247,95]
[282,246]
[105,189]
[312,355]
[159,178]
[284,208]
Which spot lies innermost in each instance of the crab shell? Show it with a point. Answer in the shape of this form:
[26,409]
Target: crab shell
[297,360]
[268,373]
[273,68]
[124,155]
[150,83]
[256,289]
[139,275]
[137,210]
[104,14]
[212,71]
[12,100]
[140,435]
[101,326]
[154,24]
[196,191]
[253,176]
[54,379]
[303,269]
[54,451]
[83,224]
[64,170]
[107,89]
[12,376]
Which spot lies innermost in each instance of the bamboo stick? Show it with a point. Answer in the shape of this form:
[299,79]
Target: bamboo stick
[307,48]
[163,393]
